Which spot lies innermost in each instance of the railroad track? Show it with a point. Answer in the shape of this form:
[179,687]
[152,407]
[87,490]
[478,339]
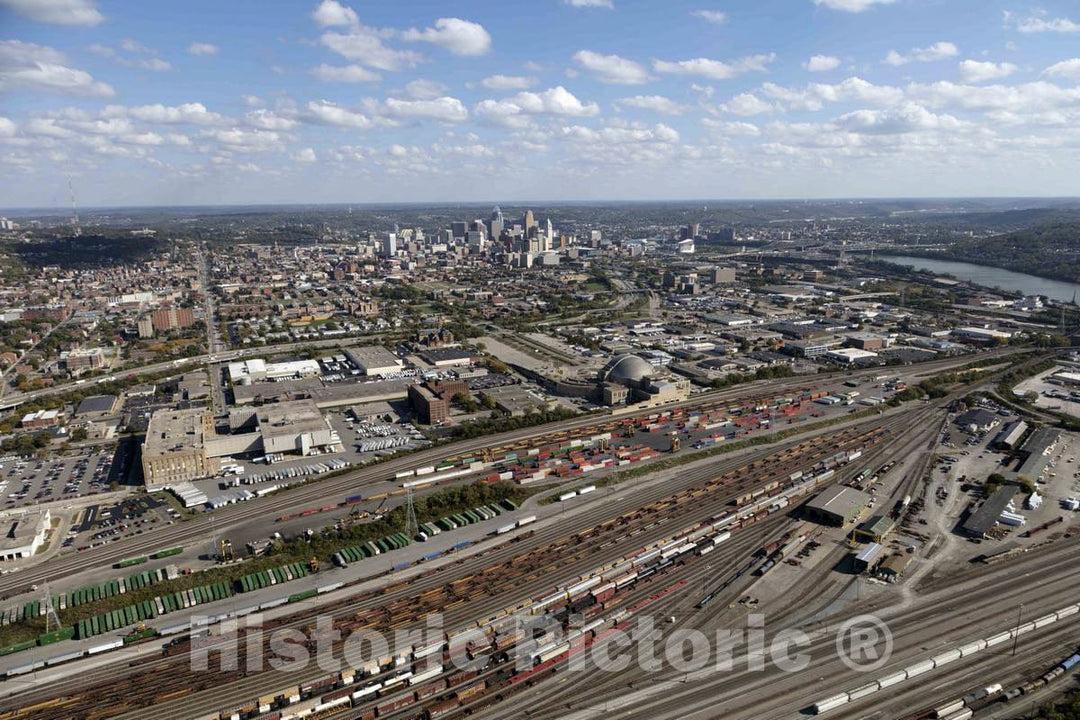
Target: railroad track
[746,694]
[543,578]
[225,518]
[682,608]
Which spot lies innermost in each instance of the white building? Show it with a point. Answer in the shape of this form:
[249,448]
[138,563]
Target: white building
[245,372]
[850,355]
[375,360]
[22,533]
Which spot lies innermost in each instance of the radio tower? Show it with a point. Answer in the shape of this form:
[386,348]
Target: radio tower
[412,528]
[52,620]
[74,210]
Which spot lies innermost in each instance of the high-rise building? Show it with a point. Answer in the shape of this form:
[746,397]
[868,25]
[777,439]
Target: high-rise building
[495,224]
[530,223]
[390,245]
[458,229]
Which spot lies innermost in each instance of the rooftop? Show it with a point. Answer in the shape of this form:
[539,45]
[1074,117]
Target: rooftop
[176,430]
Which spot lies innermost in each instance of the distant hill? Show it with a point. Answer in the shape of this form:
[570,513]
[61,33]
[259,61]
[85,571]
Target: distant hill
[1050,250]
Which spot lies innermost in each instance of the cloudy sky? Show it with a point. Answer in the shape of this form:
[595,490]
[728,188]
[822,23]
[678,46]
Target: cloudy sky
[265,101]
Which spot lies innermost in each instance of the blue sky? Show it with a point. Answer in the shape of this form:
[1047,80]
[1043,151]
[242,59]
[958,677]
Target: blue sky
[238,101]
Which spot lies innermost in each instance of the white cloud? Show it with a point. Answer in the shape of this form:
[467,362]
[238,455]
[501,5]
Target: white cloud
[747,104]
[27,66]
[345,73]
[307,155]
[134,46]
[188,113]
[656,103]
[7,127]
[365,45]
[907,118]
[612,68]
[265,119]
[57,12]
[1041,25]
[622,135]
[938,51]
[1028,97]
[245,141]
[331,13]
[325,112]
[154,64]
[508,82]
[979,71]
[716,17]
[202,48]
[514,111]
[460,37]
[852,5]
[609,4]
[1065,68]
[815,95]
[715,69]
[252,100]
[424,89]
[446,109]
[734,129]
[821,63]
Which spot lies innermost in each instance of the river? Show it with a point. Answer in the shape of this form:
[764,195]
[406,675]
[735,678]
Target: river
[990,276]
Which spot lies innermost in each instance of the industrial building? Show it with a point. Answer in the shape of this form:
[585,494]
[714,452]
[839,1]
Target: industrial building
[982,521]
[892,568]
[431,401]
[838,505]
[244,372]
[294,427]
[445,357]
[1010,435]
[1037,449]
[875,529]
[22,533]
[374,360]
[98,406]
[866,557]
[850,355]
[977,420]
[175,447]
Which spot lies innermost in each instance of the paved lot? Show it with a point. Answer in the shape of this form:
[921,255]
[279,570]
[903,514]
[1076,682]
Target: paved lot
[29,481]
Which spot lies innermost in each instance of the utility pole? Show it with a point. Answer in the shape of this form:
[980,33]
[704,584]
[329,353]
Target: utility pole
[1016,635]
[412,528]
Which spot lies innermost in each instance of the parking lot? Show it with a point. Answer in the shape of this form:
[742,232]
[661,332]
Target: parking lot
[28,481]
[363,440]
[102,524]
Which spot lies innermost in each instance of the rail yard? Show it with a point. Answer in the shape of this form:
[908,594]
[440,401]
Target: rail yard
[714,543]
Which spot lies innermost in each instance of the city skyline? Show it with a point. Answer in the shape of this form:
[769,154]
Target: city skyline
[584,100]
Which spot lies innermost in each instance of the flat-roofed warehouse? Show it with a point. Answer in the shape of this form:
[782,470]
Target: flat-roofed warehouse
[175,447]
[295,426]
[838,505]
[23,532]
[374,360]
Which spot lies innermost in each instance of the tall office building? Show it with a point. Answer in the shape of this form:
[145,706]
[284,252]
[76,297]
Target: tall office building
[390,245]
[458,229]
[530,223]
[495,224]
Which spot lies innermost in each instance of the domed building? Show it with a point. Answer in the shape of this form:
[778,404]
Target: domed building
[626,369]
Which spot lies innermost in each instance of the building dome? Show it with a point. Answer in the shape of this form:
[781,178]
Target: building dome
[626,369]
